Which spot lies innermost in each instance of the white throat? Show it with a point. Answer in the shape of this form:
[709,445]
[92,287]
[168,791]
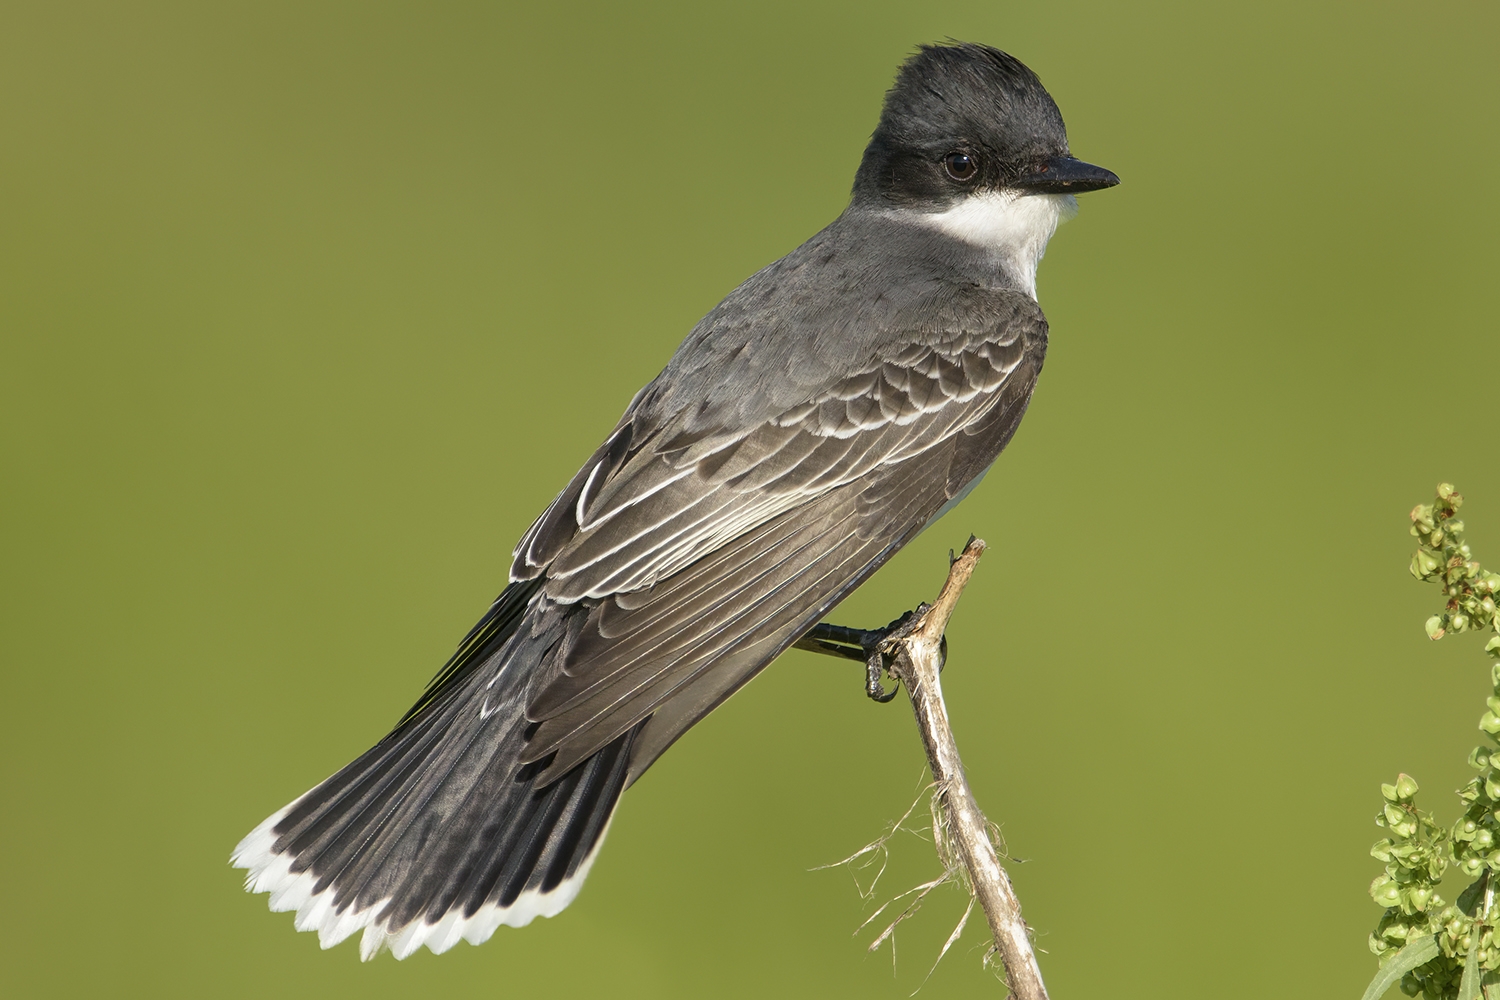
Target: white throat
[1014,226]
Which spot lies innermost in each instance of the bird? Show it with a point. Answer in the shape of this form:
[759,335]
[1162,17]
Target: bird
[828,410]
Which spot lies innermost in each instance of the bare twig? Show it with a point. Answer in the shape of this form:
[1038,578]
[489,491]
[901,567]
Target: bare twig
[918,656]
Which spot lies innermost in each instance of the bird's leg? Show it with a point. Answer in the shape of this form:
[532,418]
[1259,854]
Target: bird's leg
[872,647]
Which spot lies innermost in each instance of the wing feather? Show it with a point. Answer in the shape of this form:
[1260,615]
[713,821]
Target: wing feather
[670,496]
[757,612]
[674,624]
[695,554]
[761,605]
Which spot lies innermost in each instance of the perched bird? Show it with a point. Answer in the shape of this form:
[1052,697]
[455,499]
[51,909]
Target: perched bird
[822,415]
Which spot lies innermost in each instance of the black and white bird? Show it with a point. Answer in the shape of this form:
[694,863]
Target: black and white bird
[822,415]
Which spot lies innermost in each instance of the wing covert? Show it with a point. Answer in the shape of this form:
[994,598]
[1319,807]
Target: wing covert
[660,494]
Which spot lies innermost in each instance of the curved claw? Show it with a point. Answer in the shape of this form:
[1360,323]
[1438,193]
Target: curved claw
[873,667]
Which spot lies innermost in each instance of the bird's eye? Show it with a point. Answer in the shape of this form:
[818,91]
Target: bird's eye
[961,166]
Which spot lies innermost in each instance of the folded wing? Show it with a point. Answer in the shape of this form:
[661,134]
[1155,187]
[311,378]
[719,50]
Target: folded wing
[695,558]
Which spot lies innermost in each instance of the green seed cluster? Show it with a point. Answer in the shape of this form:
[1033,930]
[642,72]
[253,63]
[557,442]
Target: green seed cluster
[1444,558]
[1418,851]
[1476,837]
[1416,855]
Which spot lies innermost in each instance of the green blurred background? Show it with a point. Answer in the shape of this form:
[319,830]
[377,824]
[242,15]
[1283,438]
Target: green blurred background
[307,310]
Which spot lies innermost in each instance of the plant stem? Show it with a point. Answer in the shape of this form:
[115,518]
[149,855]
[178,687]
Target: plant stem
[918,659]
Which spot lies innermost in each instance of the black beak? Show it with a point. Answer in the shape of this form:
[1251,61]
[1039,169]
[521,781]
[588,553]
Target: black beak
[1065,175]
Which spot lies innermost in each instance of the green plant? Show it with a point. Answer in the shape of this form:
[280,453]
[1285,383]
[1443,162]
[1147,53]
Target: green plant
[1446,952]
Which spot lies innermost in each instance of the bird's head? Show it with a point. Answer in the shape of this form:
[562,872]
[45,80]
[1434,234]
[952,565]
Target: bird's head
[965,119]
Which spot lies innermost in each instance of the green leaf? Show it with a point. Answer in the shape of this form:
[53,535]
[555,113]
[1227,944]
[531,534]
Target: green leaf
[1468,900]
[1419,952]
[1468,986]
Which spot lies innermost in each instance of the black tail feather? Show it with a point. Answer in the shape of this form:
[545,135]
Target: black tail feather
[438,832]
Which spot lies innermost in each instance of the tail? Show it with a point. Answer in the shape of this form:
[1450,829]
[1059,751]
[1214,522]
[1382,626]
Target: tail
[437,833]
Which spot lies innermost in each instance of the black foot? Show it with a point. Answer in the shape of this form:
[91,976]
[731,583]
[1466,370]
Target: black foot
[872,647]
